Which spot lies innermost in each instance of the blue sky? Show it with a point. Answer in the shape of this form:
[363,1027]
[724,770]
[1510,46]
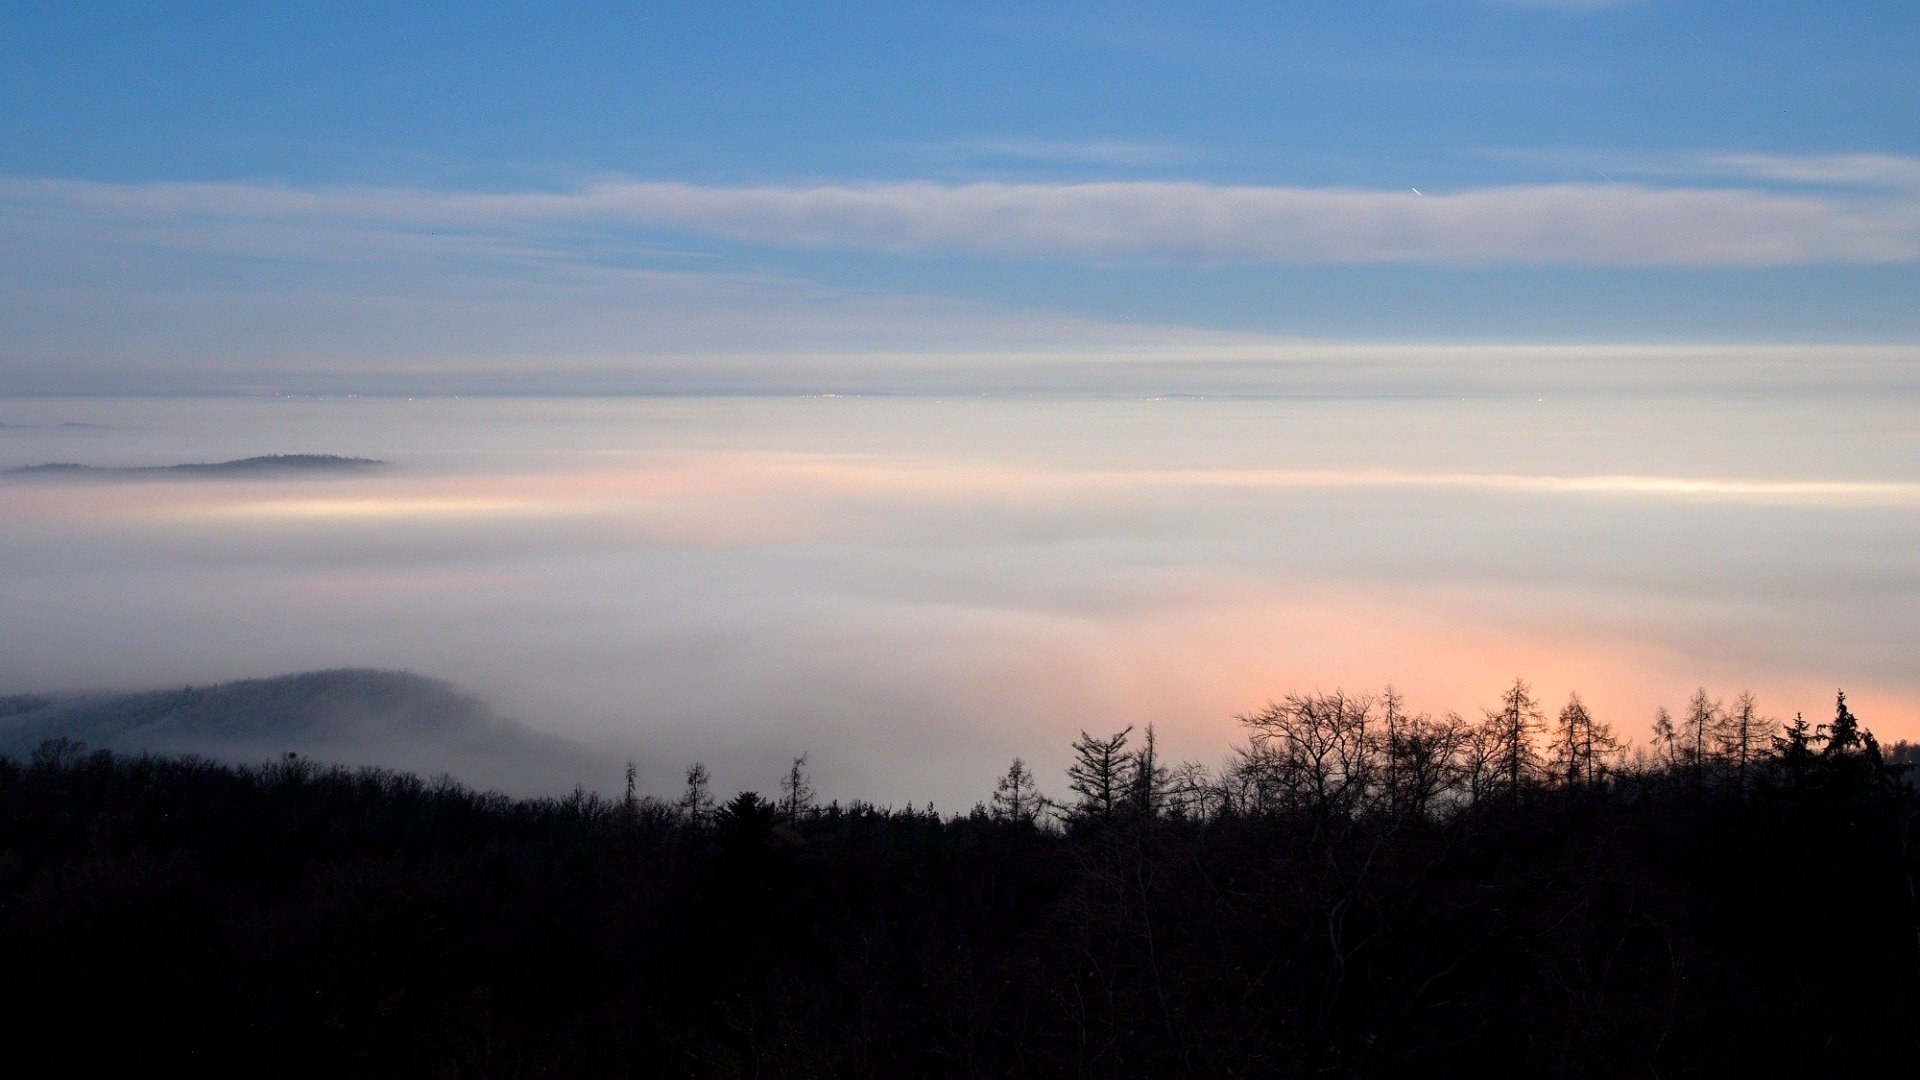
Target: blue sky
[242,195]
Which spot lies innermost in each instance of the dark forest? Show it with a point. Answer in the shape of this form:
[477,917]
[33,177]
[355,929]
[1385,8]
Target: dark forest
[1358,892]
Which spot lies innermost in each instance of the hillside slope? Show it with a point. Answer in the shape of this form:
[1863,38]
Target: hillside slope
[354,716]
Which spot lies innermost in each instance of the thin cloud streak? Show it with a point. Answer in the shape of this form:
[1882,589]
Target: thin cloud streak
[1893,171]
[1895,174]
[1612,224]
[723,500]
[1858,493]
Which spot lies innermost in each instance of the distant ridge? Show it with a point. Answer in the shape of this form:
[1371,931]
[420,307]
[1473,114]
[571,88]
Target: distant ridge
[355,716]
[265,465]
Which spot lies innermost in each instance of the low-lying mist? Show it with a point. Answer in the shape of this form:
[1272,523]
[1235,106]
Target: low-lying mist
[914,590]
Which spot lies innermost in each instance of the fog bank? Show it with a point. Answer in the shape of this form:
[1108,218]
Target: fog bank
[913,590]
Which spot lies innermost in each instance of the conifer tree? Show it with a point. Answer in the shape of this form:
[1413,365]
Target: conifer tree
[1843,735]
[1794,749]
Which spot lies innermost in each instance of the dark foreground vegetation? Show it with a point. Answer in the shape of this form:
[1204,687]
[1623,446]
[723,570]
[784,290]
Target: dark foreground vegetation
[1359,892]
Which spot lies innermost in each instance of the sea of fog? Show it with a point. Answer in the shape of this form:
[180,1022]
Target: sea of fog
[914,590]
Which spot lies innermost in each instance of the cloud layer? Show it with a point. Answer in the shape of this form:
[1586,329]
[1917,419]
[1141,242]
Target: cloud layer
[917,590]
[1150,222]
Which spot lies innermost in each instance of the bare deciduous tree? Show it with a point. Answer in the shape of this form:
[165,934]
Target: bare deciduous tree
[1017,797]
[1312,754]
[1099,774]
[1583,748]
[1700,735]
[1423,761]
[796,791]
[1666,738]
[1744,739]
[696,803]
[1514,727]
[1147,789]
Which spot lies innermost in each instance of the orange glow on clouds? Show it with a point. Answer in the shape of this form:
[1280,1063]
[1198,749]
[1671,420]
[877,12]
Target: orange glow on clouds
[1202,648]
[679,483]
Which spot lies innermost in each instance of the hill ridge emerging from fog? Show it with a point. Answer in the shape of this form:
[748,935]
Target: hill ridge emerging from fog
[353,716]
[261,465]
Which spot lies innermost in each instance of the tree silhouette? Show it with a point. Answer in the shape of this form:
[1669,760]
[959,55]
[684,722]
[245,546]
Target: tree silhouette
[1515,725]
[695,806]
[1793,750]
[796,791]
[1851,760]
[1745,737]
[1582,747]
[745,824]
[1701,731]
[1147,787]
[1393,720]
[1427,764]
[1017,797]
[1313,754]
[1666,738]
[1843,735]
[1098,775]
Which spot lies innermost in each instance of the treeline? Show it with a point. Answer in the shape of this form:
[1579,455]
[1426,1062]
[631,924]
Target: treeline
[1351,759]
[1357,891]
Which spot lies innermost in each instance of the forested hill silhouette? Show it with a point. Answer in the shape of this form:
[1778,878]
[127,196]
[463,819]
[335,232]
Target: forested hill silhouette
[1359,892]
[357,716]
[265,466]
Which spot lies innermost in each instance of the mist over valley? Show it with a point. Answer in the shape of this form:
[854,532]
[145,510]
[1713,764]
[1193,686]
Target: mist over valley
[915,589]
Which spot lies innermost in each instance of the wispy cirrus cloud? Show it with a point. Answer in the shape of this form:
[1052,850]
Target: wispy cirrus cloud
[1861,172]
[1142,222]
[1888,171]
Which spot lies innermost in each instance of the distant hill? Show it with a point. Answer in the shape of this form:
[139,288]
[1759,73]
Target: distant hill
[352,716]
[266,465]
